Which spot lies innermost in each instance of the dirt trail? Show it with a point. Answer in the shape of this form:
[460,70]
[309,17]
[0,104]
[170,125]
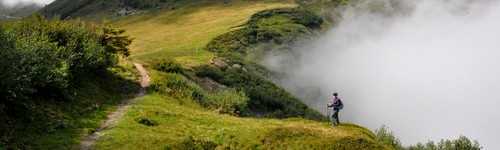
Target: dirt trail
[89,141]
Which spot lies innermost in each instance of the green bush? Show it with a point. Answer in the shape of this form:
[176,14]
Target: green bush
[385,136]
[42,55]
[229,101]
[178,86]
[169,66]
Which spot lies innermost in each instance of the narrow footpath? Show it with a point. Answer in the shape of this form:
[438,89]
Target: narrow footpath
[88,142]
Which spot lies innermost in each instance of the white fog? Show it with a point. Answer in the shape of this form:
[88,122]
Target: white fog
[429,73]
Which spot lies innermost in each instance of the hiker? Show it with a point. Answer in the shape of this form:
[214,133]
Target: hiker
[336,105]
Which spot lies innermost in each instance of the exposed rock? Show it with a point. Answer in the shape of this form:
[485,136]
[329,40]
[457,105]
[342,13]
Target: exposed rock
[237,66]
[209,84]
[126,11]
[219,62]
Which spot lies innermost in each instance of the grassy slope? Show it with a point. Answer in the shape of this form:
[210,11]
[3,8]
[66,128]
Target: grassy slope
[184,32]
[182,124]
[178,121]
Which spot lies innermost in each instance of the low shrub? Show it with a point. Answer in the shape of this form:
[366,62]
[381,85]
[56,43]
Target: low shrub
[228,101]
[169,66]
[385,136]
[177,86]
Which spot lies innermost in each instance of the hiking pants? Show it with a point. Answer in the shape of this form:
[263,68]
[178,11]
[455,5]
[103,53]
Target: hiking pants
[335,117]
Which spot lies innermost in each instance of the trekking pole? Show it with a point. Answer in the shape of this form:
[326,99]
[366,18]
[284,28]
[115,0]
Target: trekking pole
[328,114]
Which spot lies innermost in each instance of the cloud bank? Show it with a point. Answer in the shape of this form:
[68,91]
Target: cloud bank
[428,69]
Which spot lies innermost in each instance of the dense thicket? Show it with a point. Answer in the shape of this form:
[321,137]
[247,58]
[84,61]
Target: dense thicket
[41,55]
[43,61]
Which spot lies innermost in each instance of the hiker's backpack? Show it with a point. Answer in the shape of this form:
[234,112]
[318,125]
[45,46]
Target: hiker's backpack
[339,106]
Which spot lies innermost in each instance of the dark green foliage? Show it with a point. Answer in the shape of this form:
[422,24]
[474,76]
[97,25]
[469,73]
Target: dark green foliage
[228,101]
[115,42]
[169,66]
[295,15]
[265,97]
[43,64]
[146,121]
[280,26]
[48,55]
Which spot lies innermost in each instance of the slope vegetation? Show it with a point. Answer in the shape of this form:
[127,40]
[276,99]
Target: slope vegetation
[208,90]
[159,122]
[190,108]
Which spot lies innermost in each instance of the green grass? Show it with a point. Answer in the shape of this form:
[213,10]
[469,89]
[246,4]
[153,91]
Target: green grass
[183,33]
[96,97]
[179,123]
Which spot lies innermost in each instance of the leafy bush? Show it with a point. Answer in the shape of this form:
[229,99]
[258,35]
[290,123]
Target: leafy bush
[169,66]
[48,55]
[177,86]
[228,101]
[44,62]
[385,136]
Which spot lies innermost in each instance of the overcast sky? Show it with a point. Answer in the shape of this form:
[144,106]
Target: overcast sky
[14,2]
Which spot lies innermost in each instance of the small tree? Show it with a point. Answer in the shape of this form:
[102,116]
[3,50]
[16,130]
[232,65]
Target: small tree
[114,40]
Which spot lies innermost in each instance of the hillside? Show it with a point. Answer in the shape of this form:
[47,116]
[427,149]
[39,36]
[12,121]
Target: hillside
[208,89]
